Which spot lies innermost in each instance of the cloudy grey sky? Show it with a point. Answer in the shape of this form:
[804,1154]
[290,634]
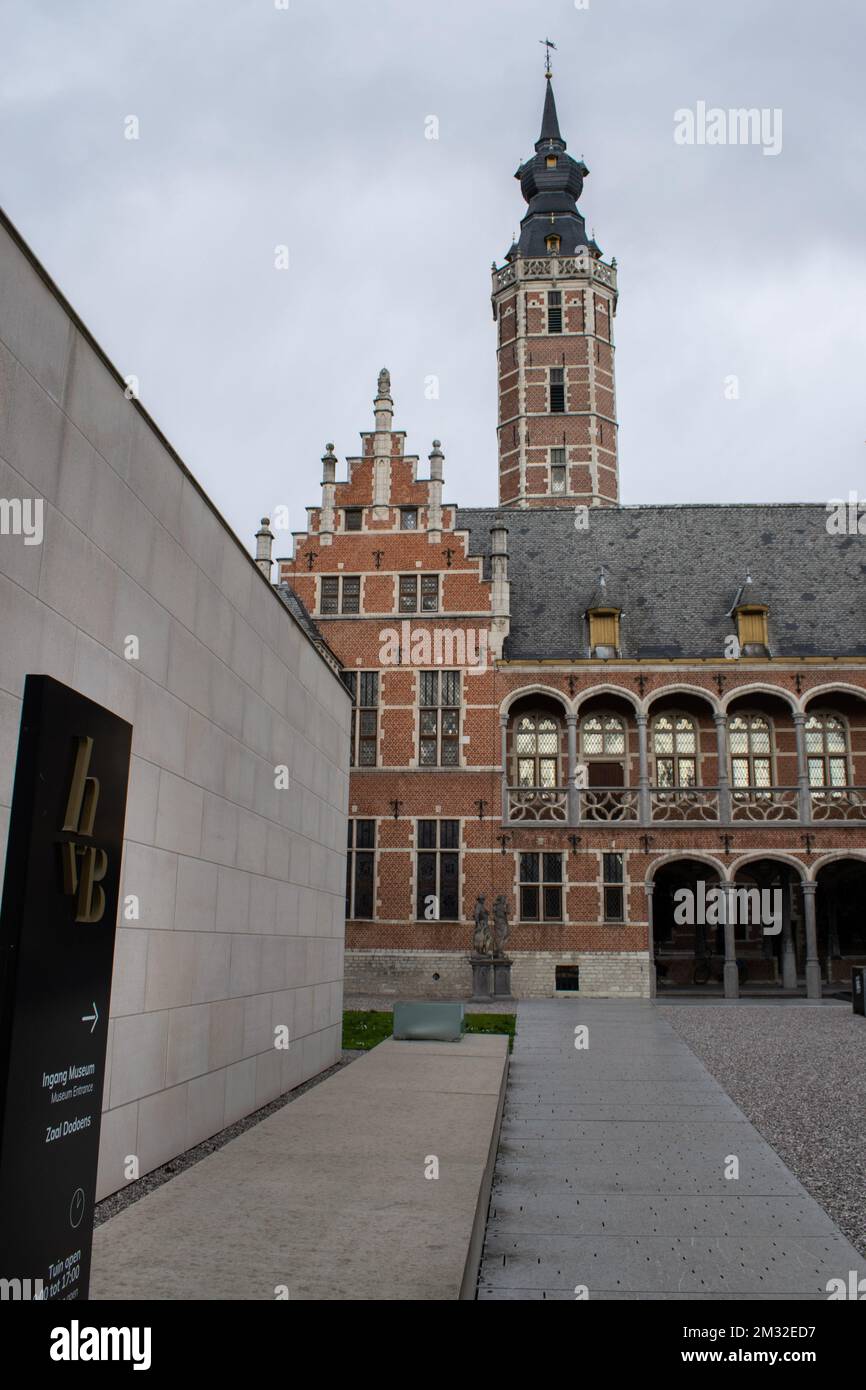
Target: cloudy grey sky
[305,126]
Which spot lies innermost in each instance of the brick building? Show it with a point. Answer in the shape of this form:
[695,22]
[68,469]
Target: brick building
[586,707]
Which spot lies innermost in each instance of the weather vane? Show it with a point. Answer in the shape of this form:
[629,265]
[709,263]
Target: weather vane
[548,45]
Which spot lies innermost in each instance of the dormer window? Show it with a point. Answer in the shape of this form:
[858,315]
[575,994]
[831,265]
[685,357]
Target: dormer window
[551,161]
[604,632]
[752,629]
[552,243]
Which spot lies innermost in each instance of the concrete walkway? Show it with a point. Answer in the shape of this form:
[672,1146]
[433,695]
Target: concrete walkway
[330,1197]
[611,1174]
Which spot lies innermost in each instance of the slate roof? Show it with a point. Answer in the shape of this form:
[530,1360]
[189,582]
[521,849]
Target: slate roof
[676,572]
[299,610]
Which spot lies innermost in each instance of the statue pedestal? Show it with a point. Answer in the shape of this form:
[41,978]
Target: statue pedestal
[482,979]
[491,978]
[502,978]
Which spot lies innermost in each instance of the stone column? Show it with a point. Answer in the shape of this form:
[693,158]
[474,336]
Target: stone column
[648,889]
[805,796]
[813,964]
[573,793]
[327,520]
[644,808]
[503,753]
[434,495]
[731,977]
[724,776]
[789,955]
[383,409]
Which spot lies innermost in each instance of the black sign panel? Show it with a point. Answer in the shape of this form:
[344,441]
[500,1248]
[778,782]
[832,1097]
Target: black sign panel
[57,929]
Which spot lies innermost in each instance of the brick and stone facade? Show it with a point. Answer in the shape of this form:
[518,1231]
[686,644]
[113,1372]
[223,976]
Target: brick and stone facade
[585,707]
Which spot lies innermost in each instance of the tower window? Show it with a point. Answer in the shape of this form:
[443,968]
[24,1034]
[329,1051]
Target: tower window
[557,390]
[557,471]
[552,245]
[554,311]
[551,161]
[353,517]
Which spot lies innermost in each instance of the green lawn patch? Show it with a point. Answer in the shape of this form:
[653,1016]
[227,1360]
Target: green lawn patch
[366,1028]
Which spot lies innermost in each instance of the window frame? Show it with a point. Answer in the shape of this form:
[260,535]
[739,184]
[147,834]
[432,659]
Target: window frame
[440,854]
[675,757]
[439,738]
[536,756]
[827,756]
[337,582]
[612,884]
[357,856]
[360,738]
[356,513]
[605,754]
[752,755]
[410,587]
[540,885]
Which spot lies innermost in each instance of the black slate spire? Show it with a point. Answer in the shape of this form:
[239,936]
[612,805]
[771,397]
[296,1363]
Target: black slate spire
[551,183]
[550,121]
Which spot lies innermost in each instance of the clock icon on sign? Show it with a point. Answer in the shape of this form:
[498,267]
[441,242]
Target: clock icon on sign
[76,1207]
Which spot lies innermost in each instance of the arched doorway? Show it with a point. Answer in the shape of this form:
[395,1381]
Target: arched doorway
[769,930]
[840,910]
[681,945]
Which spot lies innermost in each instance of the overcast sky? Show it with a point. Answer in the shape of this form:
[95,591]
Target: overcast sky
[261,126]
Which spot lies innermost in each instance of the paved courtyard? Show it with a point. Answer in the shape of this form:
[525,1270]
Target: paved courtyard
[611,1174]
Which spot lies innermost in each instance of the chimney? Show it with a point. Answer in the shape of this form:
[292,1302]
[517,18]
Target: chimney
[265,548]
[501,596]
[434,495]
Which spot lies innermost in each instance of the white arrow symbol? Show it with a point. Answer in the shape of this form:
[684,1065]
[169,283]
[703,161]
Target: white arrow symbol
[85,1018]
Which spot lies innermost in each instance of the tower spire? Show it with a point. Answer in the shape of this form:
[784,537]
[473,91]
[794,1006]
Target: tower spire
[550,135]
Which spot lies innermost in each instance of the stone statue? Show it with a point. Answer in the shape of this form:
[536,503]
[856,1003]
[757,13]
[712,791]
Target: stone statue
[500,925]
[384,382]
[482,941]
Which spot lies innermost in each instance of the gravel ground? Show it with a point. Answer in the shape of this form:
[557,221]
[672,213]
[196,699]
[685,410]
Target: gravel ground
[110,1206]
[799,1074]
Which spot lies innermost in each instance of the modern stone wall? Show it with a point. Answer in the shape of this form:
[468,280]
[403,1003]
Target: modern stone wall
[446,975]
[240,886]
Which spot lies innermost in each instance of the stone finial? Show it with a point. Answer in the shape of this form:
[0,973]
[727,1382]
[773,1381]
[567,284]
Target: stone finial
[384,385]
[264,548]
